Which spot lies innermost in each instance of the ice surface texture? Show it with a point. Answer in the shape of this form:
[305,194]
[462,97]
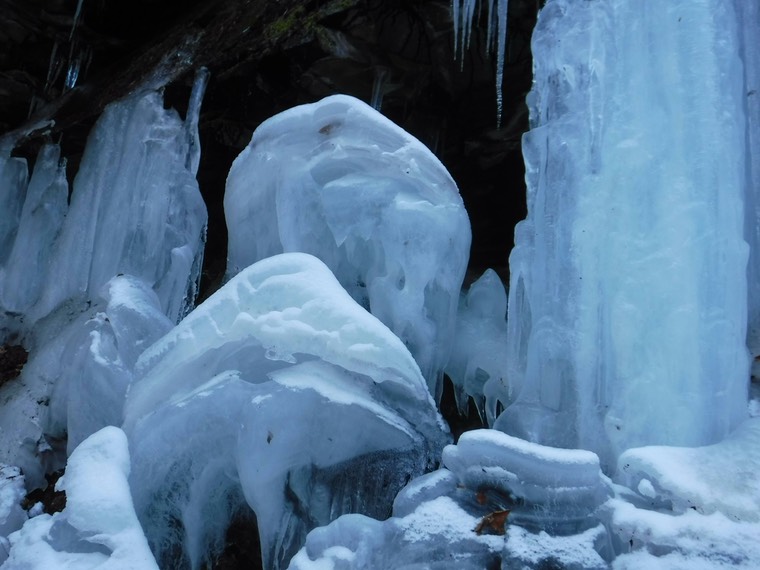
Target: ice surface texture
[280,388]
[627,302]
[98,528]
[340,181]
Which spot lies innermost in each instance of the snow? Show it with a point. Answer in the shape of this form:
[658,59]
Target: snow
[12,516]
[627,300]
[338,180]
[98,528]
[722,477]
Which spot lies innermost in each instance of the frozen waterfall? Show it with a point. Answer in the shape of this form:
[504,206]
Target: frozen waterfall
[628,300]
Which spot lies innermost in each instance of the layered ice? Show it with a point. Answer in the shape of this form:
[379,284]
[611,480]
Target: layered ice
[98,528]
[627,301]
[281,388]
[478,364]
[473,513]
[13,182]
[338,180]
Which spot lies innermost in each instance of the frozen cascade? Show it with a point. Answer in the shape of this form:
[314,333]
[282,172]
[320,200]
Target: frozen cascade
[338,180]
[627,302]
[13,181]
[280,335]
[749,18]
[25,272]
[135,188]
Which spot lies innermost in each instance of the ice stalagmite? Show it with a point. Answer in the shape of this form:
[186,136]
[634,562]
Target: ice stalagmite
[627,304]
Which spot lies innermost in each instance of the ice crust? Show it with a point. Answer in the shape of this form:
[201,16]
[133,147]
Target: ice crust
[281,335]
[627,300]
[338,180]
[98,528]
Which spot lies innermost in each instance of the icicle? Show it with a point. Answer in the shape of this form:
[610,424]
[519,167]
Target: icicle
[191,120]
[501,50]
[381,74]
[76,19]
[462,12]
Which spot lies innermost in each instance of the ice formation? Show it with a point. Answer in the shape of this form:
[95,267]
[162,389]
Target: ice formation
[340,181]
[477,363]
[274,373]
[12,516]
[98,528]
[627,301]
[553,495]
[463,13]
[135,188]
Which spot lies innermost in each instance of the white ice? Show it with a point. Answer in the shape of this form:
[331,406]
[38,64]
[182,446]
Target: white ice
[135,208]
[279,364]
[627,301]
[12,516]
[478,356]
[340,181]
[98,528]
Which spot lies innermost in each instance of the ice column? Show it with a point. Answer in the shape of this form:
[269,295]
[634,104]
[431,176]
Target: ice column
[628,301]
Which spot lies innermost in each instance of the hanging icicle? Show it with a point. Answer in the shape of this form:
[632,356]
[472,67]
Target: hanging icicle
[462,13]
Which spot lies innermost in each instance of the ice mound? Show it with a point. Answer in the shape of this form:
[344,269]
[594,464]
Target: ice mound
[459,515]
[628,290]
[98,360]
[478,356]
[551,489]
[724,477]
[98,528]
[135,207]
[340,181]
[280,388]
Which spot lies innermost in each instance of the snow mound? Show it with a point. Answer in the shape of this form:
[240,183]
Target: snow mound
[98,528]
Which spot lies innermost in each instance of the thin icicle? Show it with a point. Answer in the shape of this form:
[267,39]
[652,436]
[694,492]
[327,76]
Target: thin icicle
[191,120]
[501,50]
[381,74]
[76,19]
[462,12]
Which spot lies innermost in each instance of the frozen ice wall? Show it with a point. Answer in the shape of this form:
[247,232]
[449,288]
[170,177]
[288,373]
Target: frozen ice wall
[627,304]
[338,180]
[135,207]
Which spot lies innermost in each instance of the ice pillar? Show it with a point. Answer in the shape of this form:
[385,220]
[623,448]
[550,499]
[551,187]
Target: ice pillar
[628,297]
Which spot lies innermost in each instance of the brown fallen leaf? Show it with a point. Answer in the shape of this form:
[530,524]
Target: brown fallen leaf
[493,523]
